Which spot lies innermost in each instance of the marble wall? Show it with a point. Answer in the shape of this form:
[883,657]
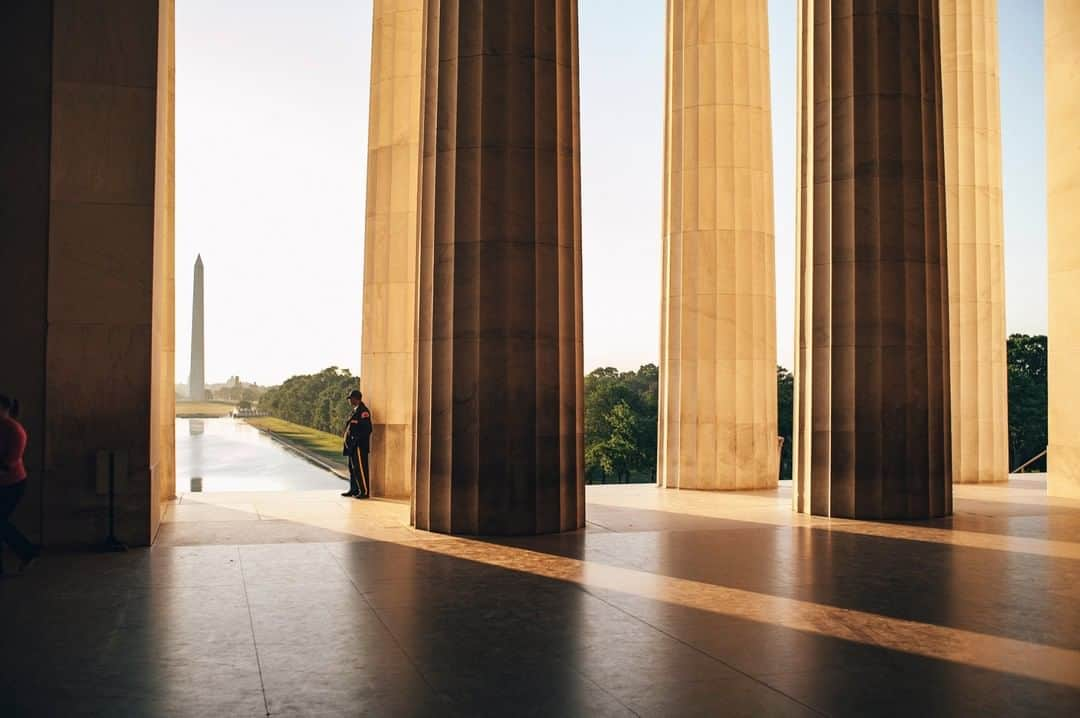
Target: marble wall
[85,245]
[26,73]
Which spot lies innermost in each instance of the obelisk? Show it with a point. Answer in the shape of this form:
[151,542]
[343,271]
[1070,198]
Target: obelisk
[197,377]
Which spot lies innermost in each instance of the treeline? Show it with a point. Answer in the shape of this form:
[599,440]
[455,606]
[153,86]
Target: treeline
[1027,373]
[621,412]
[1026,356]
[620,425]
[315,400]
[621,415]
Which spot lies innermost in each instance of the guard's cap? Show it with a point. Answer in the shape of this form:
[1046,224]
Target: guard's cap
[355,394]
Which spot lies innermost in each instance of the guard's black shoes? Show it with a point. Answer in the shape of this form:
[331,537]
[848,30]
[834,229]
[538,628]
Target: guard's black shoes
[361,496]
[350,493]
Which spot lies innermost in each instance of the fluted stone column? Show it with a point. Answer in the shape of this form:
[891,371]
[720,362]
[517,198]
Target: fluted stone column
[972,123]
[500,446]
[718,313]
[390,245]
[872,433]
[163,341]
[1062,22]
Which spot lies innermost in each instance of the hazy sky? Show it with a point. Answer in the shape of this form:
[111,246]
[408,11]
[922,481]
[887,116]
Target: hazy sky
[272,104]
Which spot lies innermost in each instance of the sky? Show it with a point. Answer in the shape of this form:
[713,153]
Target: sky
[271,143]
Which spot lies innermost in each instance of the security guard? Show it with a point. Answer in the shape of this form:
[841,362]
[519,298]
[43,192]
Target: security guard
[357,438]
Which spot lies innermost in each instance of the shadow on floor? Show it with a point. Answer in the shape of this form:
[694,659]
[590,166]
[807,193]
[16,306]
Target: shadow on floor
[278,617]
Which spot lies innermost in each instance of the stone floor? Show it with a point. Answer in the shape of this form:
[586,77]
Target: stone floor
[669,604]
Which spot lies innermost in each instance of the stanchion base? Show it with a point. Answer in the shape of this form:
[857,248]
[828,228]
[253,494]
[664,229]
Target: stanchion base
[112,545]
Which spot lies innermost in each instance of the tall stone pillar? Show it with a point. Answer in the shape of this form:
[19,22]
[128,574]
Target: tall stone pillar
[500,446]
[972,125]
[872,419]
[1062,22]
[718,326]
[163,343]
[390,244]
[85,222]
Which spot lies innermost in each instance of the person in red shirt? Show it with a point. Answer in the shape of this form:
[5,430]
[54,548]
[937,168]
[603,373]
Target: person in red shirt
[12,482]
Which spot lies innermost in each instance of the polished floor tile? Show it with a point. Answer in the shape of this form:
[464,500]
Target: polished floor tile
[669,604]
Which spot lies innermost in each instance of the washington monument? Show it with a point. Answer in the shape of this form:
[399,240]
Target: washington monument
[197,377]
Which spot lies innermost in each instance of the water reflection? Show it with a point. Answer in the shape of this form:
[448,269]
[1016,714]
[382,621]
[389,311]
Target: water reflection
[228,455]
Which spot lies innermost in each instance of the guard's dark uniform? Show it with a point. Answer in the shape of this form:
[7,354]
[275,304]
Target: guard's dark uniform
[357,447]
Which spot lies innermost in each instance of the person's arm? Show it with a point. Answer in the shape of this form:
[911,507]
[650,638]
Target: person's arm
[11,450]
[351,431]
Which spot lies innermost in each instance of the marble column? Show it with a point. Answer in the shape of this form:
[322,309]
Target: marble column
[500,445]
[85,218]
[163,343]
[390,243]
[1062,22]
[872,417]
[718,312]
[971,115]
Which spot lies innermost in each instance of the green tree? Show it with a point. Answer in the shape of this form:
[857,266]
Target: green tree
[619,453]
[315,400]
[620,424]
[1027,399]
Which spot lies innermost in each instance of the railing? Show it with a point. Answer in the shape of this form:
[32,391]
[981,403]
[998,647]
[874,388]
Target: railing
[780,458]
[1029,462]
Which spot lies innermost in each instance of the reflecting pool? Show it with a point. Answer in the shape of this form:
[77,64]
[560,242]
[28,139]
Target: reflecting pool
[228,455]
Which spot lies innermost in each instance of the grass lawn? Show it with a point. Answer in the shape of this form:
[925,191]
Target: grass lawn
[326,446]
[204,409]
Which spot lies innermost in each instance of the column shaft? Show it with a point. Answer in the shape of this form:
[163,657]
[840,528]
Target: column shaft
[718,326]
[163,348]
[872,434]
[1062,21]
[972,127]
[86,224]
[390,244]
[500,445]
